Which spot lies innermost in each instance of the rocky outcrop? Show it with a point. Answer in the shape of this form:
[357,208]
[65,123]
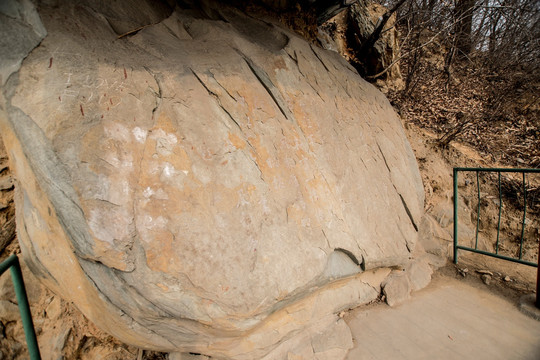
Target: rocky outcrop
[207,183]
[347,32]
[7,208]
[364,17]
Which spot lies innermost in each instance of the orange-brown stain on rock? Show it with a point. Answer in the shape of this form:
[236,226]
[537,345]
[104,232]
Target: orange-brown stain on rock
[163,287]
[263,159]
[318,191]
[226,199]
[259,105]
[178,158]
[160,251]
[164,122]
[292,142]
[315,191]
[237,142]
[105,252]
[295,213]
[309,127]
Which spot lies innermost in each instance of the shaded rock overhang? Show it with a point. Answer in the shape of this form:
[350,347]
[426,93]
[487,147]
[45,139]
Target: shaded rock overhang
[323,9]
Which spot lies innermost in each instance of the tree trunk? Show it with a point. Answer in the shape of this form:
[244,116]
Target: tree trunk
[463,26]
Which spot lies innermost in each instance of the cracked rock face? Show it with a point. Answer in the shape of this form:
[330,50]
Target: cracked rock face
[211,183]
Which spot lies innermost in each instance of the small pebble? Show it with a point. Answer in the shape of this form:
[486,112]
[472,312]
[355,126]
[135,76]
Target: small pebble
[485,272]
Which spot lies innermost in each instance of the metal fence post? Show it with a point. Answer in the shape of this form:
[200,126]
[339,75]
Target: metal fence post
[24,308]
[495,254]
[455,215]
[538,279]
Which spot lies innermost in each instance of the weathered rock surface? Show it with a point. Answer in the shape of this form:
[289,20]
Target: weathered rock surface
[419,273]
[210,184]
[397,288]
[433,237]
[22,30]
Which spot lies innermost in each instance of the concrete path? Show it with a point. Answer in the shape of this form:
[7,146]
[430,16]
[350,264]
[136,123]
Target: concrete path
[448,320]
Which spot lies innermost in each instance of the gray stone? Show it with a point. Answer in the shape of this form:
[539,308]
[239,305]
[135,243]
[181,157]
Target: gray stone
[419,273]
[444,214]
[9,311]
[334,343]
[397,288]
[59,342]
[433,237]
[22,30]
[436,261]
[340,265]
[330,339]
[54,308]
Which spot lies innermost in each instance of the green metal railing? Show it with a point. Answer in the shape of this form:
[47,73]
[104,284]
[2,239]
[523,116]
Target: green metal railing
[24,308]
[495,254]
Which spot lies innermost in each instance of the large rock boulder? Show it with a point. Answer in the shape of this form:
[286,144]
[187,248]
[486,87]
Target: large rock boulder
[209,183]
